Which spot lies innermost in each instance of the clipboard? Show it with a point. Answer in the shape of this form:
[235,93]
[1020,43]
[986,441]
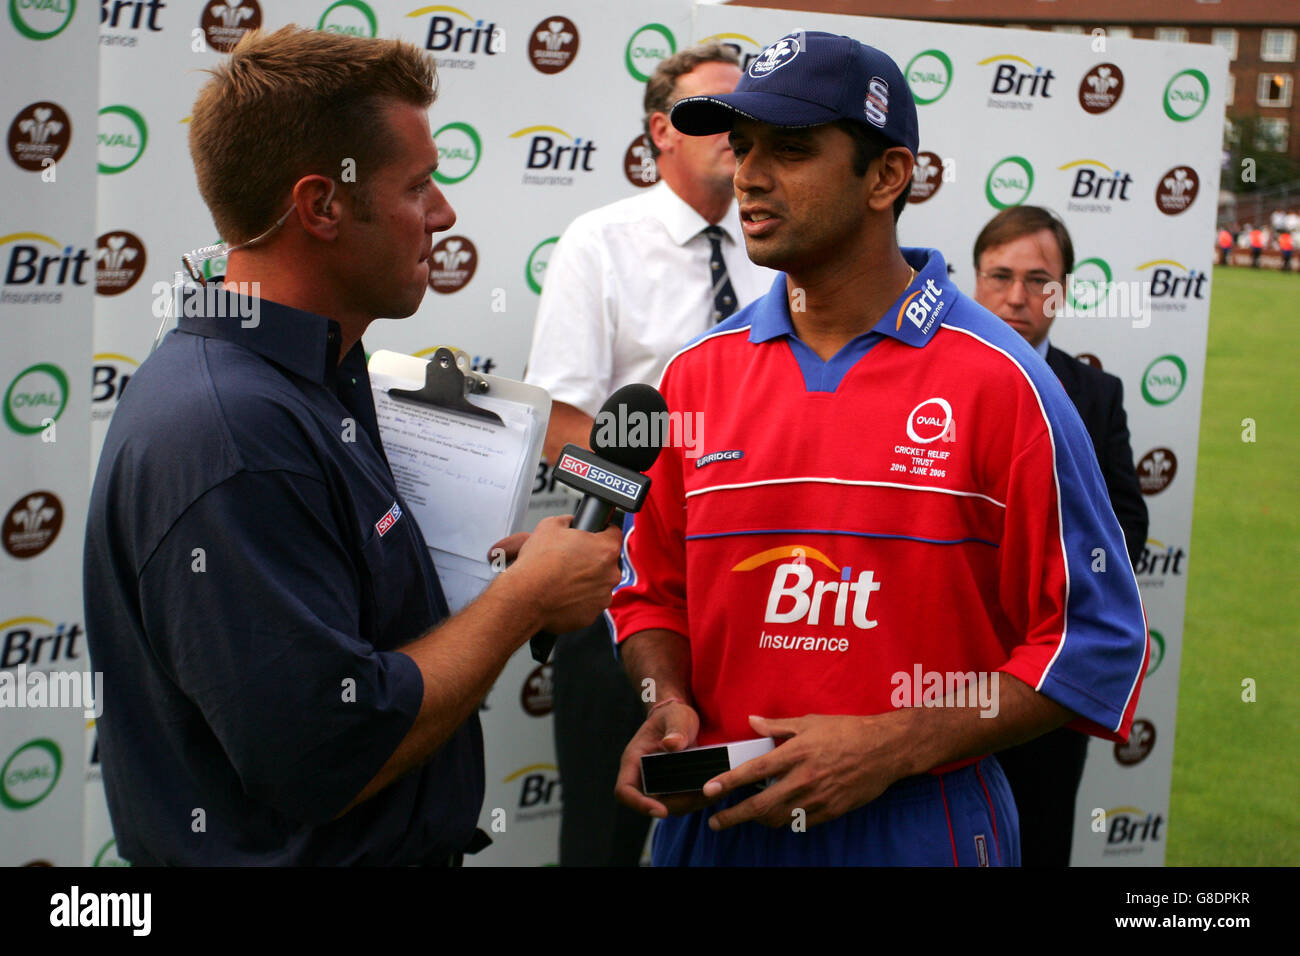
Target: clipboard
[463,447]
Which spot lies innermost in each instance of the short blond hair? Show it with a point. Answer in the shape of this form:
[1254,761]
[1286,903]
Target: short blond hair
[292,103]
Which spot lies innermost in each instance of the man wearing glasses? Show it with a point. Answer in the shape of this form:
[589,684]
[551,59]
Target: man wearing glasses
[1022,257]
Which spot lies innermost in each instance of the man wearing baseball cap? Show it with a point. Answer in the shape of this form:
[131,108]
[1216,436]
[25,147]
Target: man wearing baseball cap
[892,555]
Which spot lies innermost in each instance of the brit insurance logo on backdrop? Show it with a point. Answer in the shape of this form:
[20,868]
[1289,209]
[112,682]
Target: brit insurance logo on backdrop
[1130,830]
[41,19]
[647,47]
[929,75]
[349,17]
[550,160]
[1009,182]
[535,267]
[36,274]
[119,262]
[32,524]
[553,45]
[1101,88]
[927,176]
[1156,470]
[459,38]
[1172,285]
[639,163]
[1176,190]
[109,376]
[35,397]
[459,152]
[1185,95]
[128,17]
[39,135]
[123,135]
[1163,380]
[1096,185]
[1016,83]
[745,47]
[30,773]
[224,22]
[452,264]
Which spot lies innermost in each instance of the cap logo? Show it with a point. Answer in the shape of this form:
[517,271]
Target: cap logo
[876,105]
[774,57]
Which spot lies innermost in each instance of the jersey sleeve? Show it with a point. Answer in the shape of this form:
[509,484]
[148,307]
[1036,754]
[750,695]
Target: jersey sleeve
[1066,582]
[573,338]
[252,607]
[652,592]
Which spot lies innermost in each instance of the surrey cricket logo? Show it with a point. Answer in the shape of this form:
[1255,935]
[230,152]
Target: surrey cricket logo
[39,136]
[225,22]
[774,57]
[553,44]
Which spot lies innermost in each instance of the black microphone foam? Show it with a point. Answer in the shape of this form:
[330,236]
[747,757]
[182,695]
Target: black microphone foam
[631,427]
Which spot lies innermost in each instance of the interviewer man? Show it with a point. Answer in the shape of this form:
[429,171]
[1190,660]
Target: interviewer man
[283,684]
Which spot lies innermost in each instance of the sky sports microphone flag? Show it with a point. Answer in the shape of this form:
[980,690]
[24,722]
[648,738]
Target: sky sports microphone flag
[628,433]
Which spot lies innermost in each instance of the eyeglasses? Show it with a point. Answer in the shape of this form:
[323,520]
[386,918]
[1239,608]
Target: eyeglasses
[1001,281]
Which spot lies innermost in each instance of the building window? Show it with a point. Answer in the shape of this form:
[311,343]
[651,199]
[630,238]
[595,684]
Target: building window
[1119,31]
[1230,94]
[1277,46]
[1067,28]
[1274,89]
[1227,39]
[1273,133]
[1172,34]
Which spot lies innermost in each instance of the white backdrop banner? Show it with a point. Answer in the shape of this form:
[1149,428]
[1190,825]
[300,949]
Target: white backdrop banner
[538,119]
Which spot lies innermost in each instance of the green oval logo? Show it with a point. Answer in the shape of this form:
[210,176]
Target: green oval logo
[1157,652]
[647,47]
[1009,182]
[107,856]
[929,74]
[1163,380]
[459,150]
[1186,94]
[349,17]
[122,138]
[30,774]
[37,393]
[1088,284]
[535,270]
[41,19]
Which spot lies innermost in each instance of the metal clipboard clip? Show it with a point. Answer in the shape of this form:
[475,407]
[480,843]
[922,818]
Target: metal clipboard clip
[447,380]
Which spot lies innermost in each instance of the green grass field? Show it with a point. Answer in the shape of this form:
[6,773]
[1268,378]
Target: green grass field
[1236,781]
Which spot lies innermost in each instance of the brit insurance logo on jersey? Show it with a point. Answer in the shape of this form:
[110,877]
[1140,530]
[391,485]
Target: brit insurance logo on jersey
[1172,285]
[553,156]
[1017,84]
[809,590]
[460,40]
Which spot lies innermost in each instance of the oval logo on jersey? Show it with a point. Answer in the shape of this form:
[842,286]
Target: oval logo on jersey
[928,421]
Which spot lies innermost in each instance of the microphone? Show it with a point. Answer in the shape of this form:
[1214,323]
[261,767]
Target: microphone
[627,435]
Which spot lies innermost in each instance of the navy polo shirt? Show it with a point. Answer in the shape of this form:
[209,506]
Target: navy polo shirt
[249,571]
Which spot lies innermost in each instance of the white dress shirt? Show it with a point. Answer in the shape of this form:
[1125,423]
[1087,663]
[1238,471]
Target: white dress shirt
[627,286]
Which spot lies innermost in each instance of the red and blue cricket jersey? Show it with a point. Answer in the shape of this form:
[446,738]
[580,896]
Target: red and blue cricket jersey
[925,502]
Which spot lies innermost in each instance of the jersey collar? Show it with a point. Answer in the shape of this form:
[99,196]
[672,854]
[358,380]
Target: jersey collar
[912,319]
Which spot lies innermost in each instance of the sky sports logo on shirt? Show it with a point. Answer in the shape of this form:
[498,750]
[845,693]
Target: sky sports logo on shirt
[389,519]
[594,473]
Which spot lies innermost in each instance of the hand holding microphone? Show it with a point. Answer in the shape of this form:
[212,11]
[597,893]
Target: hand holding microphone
[610,477]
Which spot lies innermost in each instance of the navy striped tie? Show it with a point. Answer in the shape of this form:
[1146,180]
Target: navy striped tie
[724,296]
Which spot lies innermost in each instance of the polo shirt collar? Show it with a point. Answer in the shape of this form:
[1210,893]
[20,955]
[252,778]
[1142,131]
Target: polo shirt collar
[912,319]
[683,222]
[301,342]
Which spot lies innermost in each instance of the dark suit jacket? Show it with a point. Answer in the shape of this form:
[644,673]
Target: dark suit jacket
[1099,398]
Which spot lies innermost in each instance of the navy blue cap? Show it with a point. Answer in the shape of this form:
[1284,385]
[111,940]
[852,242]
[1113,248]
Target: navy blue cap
[807,79]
